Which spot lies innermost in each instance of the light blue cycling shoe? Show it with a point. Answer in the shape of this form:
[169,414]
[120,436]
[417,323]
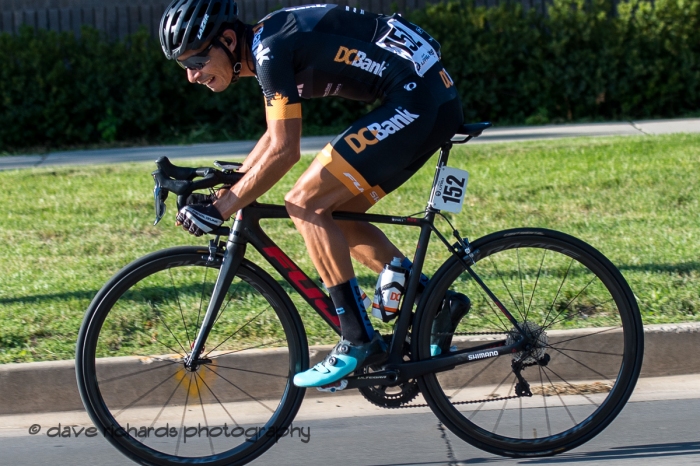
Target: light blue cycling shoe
[340,362]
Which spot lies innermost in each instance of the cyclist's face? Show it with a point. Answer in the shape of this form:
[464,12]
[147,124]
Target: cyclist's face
[216,73]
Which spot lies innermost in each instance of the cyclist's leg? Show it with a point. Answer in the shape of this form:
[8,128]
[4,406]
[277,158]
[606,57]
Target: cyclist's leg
[374,150]
[368,244]
[310,204]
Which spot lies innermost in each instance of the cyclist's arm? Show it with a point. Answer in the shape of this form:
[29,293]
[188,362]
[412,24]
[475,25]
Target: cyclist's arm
[280,155]
[257,152]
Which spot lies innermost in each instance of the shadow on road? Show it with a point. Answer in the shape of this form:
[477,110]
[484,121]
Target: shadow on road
[660,450]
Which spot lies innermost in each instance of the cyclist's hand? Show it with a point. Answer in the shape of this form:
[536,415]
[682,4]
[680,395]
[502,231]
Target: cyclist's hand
[197,198]
[199,219]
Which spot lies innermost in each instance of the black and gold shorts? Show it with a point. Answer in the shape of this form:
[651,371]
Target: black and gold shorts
[383,149]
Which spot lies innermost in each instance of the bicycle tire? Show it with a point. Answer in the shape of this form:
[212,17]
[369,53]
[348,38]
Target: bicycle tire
[584,317]
[136,389]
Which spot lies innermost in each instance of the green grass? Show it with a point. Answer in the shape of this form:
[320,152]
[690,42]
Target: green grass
[67,230]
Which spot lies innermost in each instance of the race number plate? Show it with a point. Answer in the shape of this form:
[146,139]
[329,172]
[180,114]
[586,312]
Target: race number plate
[450,189]
[408,44]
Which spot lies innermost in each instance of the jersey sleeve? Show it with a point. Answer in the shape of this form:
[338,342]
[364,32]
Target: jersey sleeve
[275,72]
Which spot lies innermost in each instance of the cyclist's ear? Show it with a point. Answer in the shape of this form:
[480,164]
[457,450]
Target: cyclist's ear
[229,37]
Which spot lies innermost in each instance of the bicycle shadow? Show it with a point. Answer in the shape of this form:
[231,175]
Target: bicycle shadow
[660,450]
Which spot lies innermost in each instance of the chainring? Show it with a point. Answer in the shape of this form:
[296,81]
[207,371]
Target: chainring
[389,397]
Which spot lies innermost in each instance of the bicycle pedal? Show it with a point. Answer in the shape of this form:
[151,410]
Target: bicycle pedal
[333,387]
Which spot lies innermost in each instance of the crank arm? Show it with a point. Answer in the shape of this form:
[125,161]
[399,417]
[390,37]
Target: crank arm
[375,378]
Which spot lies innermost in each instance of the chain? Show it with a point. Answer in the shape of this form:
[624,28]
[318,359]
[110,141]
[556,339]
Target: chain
[469,333]
[502,398]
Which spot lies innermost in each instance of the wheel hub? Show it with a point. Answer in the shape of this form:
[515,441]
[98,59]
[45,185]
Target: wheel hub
[536,345]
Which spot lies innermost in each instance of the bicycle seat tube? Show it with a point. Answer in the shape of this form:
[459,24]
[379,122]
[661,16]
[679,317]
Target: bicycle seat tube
[396,348]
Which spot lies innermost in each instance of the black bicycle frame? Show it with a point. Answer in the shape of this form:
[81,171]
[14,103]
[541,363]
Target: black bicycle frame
[246,230]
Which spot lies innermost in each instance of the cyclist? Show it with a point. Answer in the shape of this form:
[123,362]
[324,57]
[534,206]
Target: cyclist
[318,51]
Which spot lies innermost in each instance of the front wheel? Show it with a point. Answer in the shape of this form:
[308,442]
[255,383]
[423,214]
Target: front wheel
[586,344]
[132,347]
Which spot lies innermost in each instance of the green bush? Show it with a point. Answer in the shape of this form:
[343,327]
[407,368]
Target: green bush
[583,61]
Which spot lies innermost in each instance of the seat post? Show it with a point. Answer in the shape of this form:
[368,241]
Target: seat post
[442,161]
[444,153]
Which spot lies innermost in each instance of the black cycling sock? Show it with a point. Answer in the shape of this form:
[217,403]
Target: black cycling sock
[354,321]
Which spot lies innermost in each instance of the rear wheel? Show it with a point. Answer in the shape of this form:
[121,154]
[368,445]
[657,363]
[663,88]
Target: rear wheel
[586,353]
[133,380]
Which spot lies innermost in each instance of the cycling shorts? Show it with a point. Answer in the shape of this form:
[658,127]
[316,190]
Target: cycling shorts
[383,149]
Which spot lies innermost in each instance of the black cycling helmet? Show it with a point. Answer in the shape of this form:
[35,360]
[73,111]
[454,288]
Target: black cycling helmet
[189,24]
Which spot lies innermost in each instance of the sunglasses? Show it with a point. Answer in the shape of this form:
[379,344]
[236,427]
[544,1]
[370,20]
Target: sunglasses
[198,61]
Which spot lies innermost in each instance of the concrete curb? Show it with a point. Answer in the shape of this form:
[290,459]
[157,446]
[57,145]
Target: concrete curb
[314,144]
[51,386]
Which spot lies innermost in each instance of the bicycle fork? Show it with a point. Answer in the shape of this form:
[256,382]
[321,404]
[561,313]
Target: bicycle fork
[232,259]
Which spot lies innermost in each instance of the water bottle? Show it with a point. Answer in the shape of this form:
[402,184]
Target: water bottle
[390,288]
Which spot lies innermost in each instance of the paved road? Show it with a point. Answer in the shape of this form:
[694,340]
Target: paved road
[316,143]
[660,426]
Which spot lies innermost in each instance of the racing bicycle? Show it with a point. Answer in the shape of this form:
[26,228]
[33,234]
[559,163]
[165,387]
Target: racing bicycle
[186,356]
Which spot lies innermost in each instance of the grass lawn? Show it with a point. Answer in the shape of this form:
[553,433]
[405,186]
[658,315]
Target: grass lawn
[67,230]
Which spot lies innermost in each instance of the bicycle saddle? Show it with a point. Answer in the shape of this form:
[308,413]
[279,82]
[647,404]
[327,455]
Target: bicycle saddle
[469,131]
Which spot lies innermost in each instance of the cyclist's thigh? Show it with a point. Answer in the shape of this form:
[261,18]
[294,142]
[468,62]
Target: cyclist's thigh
[381,150]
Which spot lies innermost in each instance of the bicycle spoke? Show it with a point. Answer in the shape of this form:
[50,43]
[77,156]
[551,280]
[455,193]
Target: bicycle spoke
[584,351]
[119,377]
[204,414]
[243,391]
[201,296]
[473,378]
[252,372]
[597,306]
[544,400]
[492,393]
[218,400]
[506,287]
[182,422]
[520,275]
[144,395]
[153,308]
[584,365]
[545,368]
[182,314]
[497,313]
[166,402]
[505,402]
[520,410]
[245,349]
[537,280]
[588,335]
[554,388]
[236,332]
[551,307]
[569,303]
[233,293]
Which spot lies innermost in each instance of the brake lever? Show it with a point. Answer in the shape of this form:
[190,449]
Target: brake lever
[159,197]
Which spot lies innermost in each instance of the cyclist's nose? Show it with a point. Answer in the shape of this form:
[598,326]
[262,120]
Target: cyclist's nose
[192,75]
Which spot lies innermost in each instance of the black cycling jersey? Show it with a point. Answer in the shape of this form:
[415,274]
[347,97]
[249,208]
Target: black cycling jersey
[329,50]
